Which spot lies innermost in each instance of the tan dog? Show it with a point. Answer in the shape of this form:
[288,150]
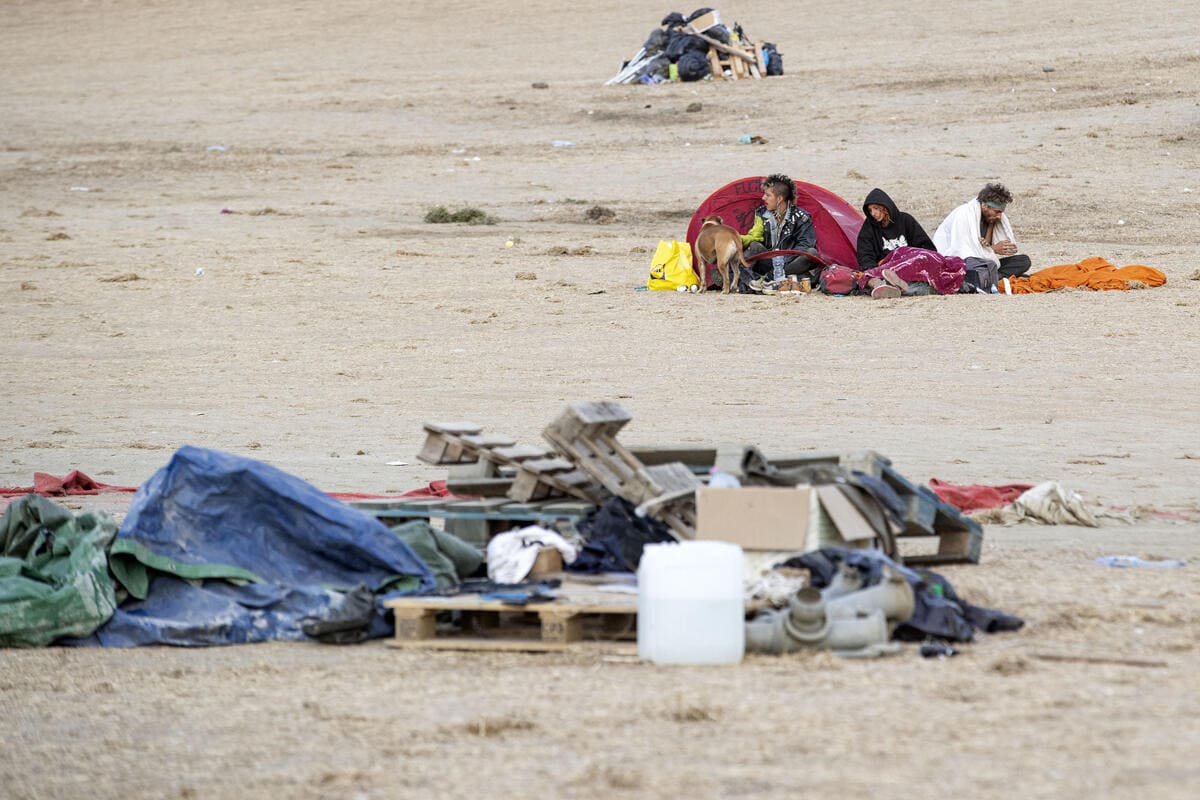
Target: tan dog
[719,244]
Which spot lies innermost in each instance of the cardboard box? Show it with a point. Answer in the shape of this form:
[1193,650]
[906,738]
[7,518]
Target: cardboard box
[709,20]
[799,519]
[757,517]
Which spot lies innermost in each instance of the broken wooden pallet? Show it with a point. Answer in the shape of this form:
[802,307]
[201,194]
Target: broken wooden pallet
[581,613]
[928,520]
[586,434]
[461,443]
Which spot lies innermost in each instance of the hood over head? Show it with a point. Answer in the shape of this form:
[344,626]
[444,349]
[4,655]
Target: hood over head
[878,197]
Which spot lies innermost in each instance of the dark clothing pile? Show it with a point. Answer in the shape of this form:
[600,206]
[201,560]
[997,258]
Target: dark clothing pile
[615,536]
[875,241]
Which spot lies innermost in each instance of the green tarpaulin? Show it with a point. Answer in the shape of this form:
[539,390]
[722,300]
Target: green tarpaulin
[53,572]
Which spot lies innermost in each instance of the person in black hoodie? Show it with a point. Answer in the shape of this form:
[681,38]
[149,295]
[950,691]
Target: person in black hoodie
[885,229]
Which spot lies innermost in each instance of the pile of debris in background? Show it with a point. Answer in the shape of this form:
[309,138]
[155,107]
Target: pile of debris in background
[696,47]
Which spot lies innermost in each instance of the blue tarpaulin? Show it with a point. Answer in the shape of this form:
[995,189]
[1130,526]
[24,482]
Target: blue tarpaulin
[220,549]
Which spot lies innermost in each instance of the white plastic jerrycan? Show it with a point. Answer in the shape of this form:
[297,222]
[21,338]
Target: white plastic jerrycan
[690,603]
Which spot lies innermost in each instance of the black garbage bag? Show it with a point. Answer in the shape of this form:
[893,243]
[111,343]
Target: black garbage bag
[656,42]
[658,66]
[673,20]
[773,58]
[699,12]
[681,43]
[718,32]
[693,66]
[348,624]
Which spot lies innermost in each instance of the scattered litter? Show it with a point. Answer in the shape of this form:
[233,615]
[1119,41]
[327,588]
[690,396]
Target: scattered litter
[1082,659]
[1195,276]
[200,271]
[937,650]
[561,143]
[1120,222]
[540,85]
[1134,561]
[1052,504]
[397,464]
[215,148]
[81,189]
[598,291]
[694,107]
[526,276]
[1047,68]
[1186,190]
[125,277]
[748,139]
[511,555]
[458,151]
[509,243]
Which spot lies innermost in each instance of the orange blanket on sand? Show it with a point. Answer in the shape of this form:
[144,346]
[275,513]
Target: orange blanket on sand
[1091,273]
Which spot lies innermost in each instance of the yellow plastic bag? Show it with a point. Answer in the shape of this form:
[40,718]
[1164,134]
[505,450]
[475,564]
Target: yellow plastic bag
[671,267]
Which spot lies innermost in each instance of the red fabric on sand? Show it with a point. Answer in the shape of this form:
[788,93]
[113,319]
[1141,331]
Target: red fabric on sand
[75,482]
[976,497]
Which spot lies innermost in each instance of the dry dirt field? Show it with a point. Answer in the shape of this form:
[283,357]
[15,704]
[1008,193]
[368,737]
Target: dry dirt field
[322,321]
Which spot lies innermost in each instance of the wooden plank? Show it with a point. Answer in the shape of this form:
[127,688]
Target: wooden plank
[514,645]
[650,456]
[483,487]
[722,47]
[572,507]
[454,428]
[673,477]
[547,465]
[851,525]
[521,452]
[488,440]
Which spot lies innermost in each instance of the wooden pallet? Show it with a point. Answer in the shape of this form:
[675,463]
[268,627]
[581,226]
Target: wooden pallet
[586,434]
[462,443]
[580,614]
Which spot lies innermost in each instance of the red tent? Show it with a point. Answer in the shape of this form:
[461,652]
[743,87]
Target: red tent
[836,221]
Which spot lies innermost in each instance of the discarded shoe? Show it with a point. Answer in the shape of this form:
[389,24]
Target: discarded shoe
[885,291]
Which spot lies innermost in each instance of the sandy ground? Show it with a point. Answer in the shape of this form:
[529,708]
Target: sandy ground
[319,324]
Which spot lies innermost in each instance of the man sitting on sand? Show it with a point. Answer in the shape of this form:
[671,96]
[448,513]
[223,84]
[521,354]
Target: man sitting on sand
[780,224]
[979,233]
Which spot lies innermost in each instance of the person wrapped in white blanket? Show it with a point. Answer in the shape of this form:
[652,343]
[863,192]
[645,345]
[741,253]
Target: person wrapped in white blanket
[980,234]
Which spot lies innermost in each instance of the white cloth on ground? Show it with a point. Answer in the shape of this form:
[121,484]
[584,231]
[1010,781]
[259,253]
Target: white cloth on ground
[1050,503]
[510,555]
[958,235]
